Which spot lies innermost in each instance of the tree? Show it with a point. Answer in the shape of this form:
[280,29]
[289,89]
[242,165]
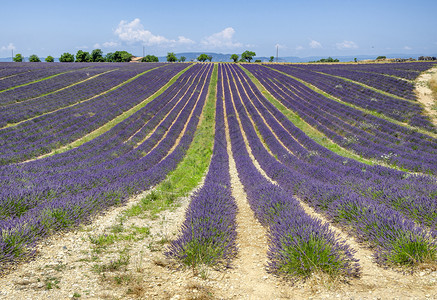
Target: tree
[66,57]
[248,55]
[83,56]
[258,60]
[182,59]
[355,59]
[97,56]
[381,57]
[150,58]
[209,58]
[234,57]
[109,57]
[34,58]
[123,56]
[118,56]
[203,57]
[18,57]
[171,57]
[272,58]
[49,59]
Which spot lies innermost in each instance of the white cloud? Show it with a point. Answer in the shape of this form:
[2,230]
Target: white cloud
[81,47]
[184,40]
[106,45]
[298,48]
[9,47]
[407,48]
[315,44]
[134,32]
[346,45]
[222,39]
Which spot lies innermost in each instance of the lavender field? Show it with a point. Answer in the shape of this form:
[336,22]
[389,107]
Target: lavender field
[350,141]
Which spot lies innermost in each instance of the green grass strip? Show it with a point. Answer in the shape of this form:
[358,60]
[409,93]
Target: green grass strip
[118,119]
[41,79]
[369,87]
[56,91]
[314,134]
[95,96]
[191,169]
[366,111]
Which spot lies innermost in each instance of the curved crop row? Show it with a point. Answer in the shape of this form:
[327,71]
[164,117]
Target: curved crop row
[51,131]
[351,128]
[397,239]
[299,244]
[74,206]
[208,233]
[51,85]
[401,110]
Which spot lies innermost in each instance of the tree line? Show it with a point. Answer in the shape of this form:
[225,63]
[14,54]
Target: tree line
[123,56]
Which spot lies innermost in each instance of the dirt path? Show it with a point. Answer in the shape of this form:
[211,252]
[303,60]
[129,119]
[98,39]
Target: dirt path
[424,94]
[249,277]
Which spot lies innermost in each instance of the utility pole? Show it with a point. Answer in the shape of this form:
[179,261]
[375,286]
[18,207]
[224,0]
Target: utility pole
[277,52]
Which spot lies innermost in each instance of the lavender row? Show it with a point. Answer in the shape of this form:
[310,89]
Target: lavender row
[409,71]
[401,110]
[50,85]
[16,201]
[389,84]
[370,127]
[208,234]
[116,142]
[64,126]
[299,244]
[397,240]
[345,126]
[31,72]
[20,235]
[413,196]
[18,112]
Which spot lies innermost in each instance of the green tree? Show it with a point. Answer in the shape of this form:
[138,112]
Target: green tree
[34,58]
[49,59]
[150,58]
[18,57]
[123,56]
[209,58]
[97,56]
[234,57]
[381,57]
[258,60]
[83,56]
[118,56]
[272,58]
[171,57]
[182,59]
[248,55]
[66,57]
[355,59]
[109,57]
[202,57]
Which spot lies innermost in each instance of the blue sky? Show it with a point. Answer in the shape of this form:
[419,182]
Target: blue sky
[298,28]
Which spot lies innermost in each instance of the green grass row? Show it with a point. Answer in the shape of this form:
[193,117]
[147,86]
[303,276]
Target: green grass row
[38,80]
[366,111]
[119,118]
[191,169]
[314,134]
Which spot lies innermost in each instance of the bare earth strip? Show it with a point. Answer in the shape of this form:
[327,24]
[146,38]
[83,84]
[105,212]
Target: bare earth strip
[424,93]
[375,282]
[249,276]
